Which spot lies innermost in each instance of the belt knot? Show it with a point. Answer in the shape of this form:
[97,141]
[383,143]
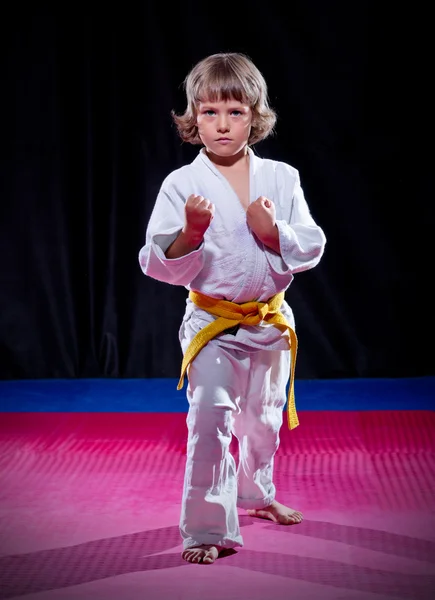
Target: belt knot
[254,312]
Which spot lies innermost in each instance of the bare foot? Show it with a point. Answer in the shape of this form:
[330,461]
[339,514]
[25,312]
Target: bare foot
[205,554]
[278,513]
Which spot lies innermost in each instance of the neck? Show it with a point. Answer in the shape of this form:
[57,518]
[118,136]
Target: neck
[239,159]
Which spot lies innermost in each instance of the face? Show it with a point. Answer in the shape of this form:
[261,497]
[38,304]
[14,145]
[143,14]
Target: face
[224,126]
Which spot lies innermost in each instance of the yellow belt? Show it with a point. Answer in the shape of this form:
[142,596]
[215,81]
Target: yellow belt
[231,314]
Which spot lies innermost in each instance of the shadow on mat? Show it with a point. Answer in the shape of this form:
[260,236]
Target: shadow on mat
[101,559]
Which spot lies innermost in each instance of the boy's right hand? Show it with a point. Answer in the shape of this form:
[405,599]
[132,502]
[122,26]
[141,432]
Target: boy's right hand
[199,213]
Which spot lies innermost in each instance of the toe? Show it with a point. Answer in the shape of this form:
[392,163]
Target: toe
[208,558]
[197,557]
[289,519]
[296,517]
[286,520]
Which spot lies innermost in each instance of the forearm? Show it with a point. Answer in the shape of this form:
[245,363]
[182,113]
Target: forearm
[272,240]
[184,244]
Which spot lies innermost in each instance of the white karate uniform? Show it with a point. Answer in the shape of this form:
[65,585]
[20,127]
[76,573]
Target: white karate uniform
[237,383]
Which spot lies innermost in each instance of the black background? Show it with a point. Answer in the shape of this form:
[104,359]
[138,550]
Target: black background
[87,139]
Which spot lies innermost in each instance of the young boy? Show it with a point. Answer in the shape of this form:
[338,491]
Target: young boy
[233,229]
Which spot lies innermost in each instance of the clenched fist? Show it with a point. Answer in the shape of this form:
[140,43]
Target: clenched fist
[199,213]
[260,217]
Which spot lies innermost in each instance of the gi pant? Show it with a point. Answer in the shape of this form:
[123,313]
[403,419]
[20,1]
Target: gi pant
[230,392]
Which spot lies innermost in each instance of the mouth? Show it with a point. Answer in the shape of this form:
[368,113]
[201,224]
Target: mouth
[223,140]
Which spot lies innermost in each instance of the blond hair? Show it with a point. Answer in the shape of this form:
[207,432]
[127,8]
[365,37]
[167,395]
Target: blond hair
[221,77]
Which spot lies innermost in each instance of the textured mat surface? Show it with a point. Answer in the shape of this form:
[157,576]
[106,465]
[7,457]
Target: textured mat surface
[89,506]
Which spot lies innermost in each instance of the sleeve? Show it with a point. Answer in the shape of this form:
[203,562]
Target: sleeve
[302,241]
[164,226]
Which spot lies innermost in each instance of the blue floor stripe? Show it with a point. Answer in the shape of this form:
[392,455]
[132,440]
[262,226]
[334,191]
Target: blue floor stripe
[161,395]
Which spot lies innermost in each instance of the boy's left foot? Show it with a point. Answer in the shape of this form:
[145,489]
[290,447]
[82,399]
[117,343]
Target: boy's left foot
[278,513]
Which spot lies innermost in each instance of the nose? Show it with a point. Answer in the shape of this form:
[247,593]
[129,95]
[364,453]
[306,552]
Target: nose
[223,124]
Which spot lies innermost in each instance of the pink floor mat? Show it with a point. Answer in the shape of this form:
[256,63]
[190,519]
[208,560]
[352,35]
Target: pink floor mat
[89,507]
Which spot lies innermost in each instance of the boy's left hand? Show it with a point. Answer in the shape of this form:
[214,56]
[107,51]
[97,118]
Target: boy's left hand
[260,217]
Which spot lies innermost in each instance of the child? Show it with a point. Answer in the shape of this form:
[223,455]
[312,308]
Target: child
[233,229]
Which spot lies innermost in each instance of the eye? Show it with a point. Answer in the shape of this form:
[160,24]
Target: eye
[209,112]
[236,113]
